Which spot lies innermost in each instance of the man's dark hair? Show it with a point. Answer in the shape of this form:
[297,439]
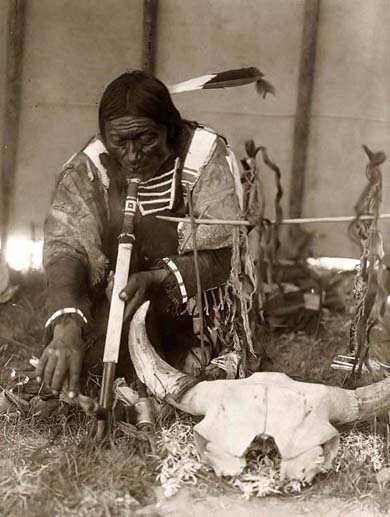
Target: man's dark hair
[139,94]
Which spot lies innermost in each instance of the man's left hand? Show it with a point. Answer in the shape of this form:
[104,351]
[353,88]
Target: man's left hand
[139,289]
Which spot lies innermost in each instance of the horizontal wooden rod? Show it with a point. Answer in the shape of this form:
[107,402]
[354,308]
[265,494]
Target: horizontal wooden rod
[307,220]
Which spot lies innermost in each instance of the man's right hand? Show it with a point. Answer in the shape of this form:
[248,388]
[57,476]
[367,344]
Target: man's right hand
[61,362]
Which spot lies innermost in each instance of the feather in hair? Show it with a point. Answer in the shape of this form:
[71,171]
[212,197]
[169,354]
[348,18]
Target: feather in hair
[226,79]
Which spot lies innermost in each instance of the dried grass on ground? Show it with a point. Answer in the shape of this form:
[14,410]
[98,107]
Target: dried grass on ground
[49,467]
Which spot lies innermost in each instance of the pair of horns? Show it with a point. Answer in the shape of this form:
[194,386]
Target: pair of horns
[167,383]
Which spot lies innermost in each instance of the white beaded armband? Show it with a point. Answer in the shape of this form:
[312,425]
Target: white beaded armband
[172,266]
[66,310]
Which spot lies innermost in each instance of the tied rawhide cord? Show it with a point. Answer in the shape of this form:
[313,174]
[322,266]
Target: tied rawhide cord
[254,253]
[369,283]
[254,207]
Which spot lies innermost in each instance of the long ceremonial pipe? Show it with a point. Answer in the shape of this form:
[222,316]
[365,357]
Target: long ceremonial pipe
[307,220]
[126,241]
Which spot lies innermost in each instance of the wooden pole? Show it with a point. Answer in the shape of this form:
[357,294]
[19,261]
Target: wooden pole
[12,105]
[148,63]
[242,222]
[197,277]
[149,35]
[302,119]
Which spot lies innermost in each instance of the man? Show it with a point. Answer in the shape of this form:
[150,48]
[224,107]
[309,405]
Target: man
[142,135]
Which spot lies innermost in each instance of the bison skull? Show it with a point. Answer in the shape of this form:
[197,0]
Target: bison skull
[299,416]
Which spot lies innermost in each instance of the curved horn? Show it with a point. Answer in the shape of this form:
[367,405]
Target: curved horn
[359,404]
[178,388]
[164,381]
[373,399]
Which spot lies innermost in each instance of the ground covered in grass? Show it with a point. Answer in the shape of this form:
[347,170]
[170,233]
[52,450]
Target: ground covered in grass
[51,467]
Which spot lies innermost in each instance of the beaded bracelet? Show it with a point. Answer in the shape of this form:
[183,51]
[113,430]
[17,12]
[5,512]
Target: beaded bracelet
[66,310]
[174,269]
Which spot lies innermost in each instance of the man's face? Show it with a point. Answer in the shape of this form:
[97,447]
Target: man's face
[139,145]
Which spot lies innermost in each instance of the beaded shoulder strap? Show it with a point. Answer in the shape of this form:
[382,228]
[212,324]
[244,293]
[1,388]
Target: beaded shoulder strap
[199,153]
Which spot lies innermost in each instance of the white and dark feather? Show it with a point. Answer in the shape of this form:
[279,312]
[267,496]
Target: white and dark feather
[226,79]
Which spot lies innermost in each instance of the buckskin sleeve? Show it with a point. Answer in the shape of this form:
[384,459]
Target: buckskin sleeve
[214,269]
[72,257]
[214,196]
[67,282]
[74,227]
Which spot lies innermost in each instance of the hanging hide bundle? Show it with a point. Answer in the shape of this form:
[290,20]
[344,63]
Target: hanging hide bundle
[288,294]
[370,287]
[264,237]
[253,259]
[242,288]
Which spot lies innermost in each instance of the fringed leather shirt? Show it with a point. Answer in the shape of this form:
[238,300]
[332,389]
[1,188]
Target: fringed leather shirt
[85,218]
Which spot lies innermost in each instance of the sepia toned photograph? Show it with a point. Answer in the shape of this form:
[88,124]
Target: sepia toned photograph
[194,258]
